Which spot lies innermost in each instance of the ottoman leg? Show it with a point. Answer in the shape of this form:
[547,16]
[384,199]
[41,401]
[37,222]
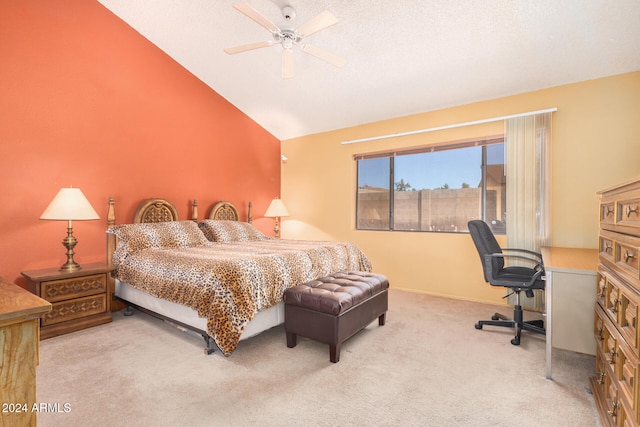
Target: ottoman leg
[292,340]
[381,319]
[334,353]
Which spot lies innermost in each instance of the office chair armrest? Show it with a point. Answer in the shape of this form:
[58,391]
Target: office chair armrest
[537,255]
[537,262]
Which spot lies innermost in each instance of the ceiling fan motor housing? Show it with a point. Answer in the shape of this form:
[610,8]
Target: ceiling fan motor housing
[287,37]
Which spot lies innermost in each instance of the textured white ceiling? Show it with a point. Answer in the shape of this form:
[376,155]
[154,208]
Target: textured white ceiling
[404,56]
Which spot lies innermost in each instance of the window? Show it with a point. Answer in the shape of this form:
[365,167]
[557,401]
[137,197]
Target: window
[433,189]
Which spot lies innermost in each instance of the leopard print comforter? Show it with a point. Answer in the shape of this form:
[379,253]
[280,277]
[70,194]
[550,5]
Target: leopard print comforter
[228,283]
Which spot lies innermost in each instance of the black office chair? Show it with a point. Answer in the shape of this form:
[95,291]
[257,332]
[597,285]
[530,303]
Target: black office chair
[516,278]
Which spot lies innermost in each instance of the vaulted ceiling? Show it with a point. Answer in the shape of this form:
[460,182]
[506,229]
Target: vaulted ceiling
[403,56]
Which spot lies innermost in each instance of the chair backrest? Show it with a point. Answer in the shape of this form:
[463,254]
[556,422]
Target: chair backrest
[486,243]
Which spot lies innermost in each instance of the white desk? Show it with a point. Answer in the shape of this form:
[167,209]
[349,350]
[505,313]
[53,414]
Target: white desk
[570,296]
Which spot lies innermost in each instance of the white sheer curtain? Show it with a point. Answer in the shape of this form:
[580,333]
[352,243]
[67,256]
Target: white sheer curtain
[528,174]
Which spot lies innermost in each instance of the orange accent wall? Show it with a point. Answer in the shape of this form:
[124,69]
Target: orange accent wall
[86,101]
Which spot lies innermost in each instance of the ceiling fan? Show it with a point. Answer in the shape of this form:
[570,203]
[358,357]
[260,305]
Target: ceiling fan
[289,37]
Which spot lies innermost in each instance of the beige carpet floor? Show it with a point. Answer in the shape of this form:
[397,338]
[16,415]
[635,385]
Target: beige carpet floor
[428,366]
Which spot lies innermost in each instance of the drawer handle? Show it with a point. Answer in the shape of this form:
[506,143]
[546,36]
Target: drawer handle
[599,334]
[608,247]
[614,306]
[612,355]
[608,210]
[601,377]
[614,410]
[628,255]
[630,211]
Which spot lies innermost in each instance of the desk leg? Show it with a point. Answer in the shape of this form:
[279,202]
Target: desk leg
[548,301]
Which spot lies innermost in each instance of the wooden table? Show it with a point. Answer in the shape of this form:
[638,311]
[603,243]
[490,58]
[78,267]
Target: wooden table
[20,311]
[570,296]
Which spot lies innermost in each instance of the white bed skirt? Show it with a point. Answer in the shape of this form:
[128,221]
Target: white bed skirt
[262,321]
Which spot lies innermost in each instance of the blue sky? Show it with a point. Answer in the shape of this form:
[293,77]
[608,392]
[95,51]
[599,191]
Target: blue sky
[431,170]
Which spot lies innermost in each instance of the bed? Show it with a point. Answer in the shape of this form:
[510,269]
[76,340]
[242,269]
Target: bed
[219,277]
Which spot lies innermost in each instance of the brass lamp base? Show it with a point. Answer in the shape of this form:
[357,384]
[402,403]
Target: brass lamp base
[70,267]
[70,242]
[276,229]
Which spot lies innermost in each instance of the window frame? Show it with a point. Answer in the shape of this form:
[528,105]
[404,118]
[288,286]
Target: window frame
[391,155]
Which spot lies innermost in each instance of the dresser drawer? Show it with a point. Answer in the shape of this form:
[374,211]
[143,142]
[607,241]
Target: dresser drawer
[64,289]
[600,332]
[629,213]
[624,259]
[627,255]
[601,289]
[610,346]
[602,372]
[75,309]
[629,319]
[611,400]
[620,303]
[612,297]
[608,212]
[627,377]
[605,247]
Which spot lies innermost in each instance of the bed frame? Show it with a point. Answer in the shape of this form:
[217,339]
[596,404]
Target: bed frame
[161,210]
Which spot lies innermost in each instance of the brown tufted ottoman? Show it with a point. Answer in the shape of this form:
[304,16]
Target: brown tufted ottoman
[334,308]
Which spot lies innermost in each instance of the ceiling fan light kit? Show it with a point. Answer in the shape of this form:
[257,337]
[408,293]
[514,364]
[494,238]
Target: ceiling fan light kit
[290,37]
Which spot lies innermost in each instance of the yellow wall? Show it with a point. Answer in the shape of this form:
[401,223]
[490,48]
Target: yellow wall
[596,144]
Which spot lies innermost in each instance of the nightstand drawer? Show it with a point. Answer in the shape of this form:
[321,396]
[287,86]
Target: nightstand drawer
[64,289]
[75,309]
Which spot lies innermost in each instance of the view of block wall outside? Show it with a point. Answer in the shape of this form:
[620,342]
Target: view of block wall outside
[446,210]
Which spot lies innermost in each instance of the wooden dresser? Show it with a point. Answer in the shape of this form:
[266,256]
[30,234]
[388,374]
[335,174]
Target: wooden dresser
[615,386]
[19,343]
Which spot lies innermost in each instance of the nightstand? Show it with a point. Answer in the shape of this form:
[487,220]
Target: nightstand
[79,298]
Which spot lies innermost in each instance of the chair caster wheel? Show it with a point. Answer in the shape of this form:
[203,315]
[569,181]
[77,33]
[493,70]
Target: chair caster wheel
[478,326]
[494,317]
[515,341]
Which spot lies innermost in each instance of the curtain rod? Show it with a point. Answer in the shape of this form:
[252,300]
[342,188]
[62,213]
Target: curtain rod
[457,125]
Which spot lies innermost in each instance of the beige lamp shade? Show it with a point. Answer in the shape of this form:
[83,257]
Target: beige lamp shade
[276,209]
[70,204]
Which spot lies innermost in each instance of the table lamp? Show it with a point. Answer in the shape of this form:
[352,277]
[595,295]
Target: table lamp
[276,210]
[69,205]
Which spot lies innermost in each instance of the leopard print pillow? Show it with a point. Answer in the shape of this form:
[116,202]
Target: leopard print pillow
[224,231]
[163,235]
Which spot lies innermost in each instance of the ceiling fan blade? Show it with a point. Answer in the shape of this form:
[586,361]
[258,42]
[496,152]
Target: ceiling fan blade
[250,46]
[256,16]
[325,55]
[287,64]
[313,25]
